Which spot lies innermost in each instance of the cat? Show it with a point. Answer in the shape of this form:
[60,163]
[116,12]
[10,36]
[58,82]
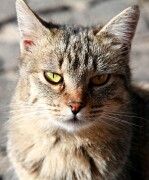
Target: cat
[75,114]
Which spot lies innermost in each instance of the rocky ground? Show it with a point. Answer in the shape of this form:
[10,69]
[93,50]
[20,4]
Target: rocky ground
[85,12]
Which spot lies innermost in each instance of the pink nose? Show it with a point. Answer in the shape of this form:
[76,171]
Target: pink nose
[75,106]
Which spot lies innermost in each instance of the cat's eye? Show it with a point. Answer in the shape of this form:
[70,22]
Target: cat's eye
[100,79]
[53,78]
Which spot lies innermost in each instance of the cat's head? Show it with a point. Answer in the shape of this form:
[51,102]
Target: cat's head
[74,77]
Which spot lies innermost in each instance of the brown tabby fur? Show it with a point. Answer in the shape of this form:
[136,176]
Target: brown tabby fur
[109,139]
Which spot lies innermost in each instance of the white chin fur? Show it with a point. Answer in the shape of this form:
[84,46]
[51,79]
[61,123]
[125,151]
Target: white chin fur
[67,126]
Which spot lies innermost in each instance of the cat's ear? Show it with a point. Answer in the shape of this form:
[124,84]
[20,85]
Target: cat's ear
[122,26]
[30,26]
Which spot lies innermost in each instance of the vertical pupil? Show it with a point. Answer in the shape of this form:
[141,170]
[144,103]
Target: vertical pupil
[53,75]
[99,78]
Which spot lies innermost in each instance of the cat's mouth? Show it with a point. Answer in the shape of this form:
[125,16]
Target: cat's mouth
[74,121]
[75,124]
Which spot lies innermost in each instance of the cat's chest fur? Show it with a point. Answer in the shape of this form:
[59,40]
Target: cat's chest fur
[54,156]
[60,159]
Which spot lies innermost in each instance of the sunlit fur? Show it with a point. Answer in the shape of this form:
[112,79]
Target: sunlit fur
[44,142]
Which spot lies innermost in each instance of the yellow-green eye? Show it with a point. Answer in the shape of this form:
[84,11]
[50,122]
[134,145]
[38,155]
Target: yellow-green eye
[100,79]
[53,77]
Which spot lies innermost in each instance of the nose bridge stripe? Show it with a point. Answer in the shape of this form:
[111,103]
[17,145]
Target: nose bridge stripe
[74,102]
[76,96]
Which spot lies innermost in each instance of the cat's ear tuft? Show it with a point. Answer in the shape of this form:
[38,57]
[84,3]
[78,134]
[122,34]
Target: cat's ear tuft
[30,26]
[123,26]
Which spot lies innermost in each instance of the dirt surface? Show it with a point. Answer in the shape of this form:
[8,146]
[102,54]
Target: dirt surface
[84,12]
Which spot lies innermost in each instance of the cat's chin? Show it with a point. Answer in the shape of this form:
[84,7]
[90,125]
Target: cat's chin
[72,125]
[76,123]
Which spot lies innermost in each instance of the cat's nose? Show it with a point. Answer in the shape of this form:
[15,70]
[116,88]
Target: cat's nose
[75,106]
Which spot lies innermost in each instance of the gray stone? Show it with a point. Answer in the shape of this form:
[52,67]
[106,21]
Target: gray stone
[7,84]
[7,9]
[9,53]
[140,58]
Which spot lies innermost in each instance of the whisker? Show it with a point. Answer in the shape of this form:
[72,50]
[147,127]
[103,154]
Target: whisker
[27,116]
[121,121]
[106,123]
[126,115]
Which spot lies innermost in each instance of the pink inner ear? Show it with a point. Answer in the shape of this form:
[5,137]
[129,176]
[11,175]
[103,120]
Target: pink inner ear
[28,43]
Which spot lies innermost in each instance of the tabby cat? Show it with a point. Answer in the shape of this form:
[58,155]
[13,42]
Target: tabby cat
[75,114]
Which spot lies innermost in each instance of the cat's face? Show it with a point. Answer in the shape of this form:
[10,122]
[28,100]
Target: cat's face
[75,77]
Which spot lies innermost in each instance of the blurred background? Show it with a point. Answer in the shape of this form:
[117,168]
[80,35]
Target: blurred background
[84,12]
